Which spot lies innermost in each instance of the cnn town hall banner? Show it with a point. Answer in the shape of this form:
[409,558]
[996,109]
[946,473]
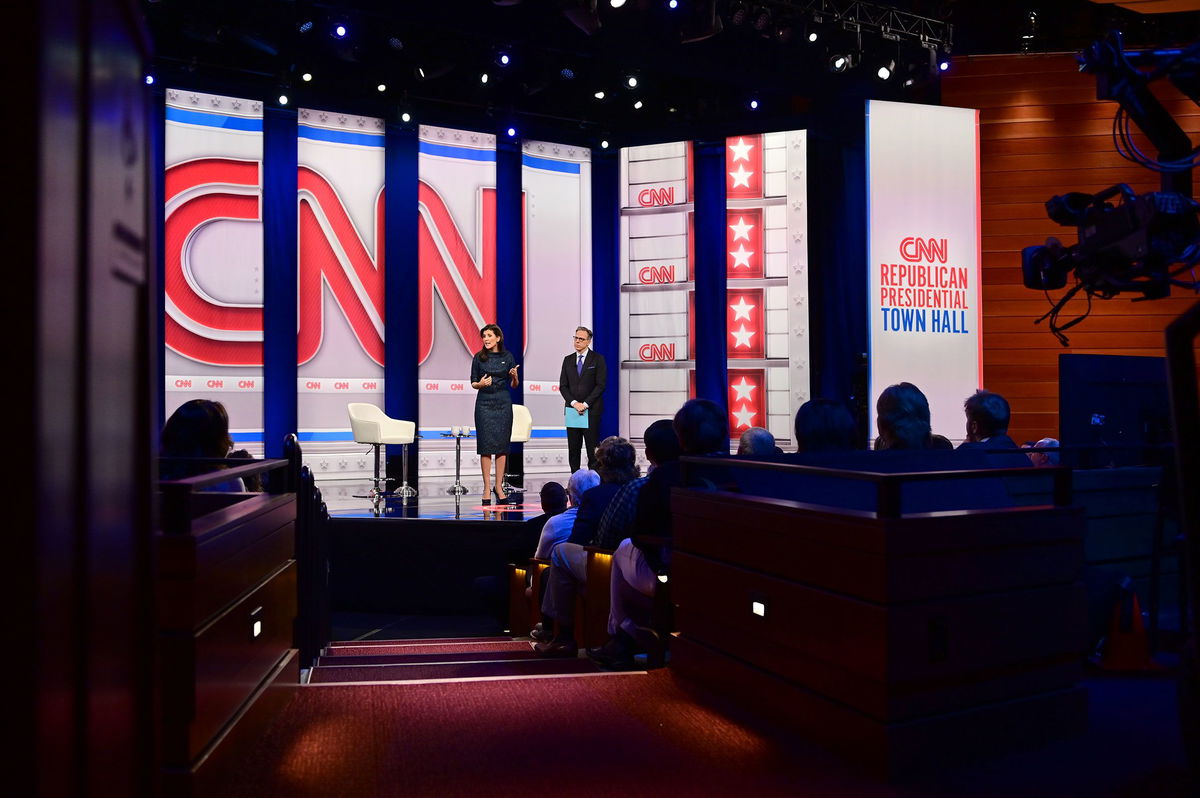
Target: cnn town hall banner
[924,290]
[340,329]
[456,292]
[557,184]
[213,280]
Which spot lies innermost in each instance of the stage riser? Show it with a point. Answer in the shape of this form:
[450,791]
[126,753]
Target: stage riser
[889,750]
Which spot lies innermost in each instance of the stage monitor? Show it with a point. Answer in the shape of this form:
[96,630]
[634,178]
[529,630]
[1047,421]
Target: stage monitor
[1114,408]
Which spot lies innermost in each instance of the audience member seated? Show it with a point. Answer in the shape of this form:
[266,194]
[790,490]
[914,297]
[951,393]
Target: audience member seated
[823,425]
[902,416]
[617,522]
[558,528]
[253,482]
[757,442]
[553,497]
[1046,453]
[940,442]
[988,415]
[702,429]
[198,429]
[616,462]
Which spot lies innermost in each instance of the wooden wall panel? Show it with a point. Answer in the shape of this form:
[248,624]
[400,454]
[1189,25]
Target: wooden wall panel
[1042,132]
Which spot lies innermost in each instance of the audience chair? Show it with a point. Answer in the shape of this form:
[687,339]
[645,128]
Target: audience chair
[371,425]
[522,430]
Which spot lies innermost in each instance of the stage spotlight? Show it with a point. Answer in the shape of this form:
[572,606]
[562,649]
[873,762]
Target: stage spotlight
[599,95]
[381,87]
[395,43]
[637,105]
[944,63]
[604,144]
[754,105]
[305,26]
[283,99]
[567,73]
[673,4]
[631,81]
[512,132]
[406,117]
[839,62]
[483,78]
[340,31]
[783,32]
[306,77]
[884,72]
[616,3]
[504,59]
[149,80]
[813,36]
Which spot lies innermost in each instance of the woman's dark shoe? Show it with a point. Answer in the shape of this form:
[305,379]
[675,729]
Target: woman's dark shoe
[502,499]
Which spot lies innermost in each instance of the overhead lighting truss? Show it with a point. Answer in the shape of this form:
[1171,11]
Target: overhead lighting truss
[890,23]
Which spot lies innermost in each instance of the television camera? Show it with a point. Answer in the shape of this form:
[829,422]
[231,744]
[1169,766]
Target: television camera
[1127,242]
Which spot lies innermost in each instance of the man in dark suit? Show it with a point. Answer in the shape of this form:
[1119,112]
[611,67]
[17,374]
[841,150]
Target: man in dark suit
[584,375]
[987,422]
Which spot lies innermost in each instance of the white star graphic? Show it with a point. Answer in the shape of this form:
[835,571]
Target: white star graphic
[742,309]
[744,417]
[743,390]
[742,336]
[741,229]
[741,151]
[741,177]
[741,258]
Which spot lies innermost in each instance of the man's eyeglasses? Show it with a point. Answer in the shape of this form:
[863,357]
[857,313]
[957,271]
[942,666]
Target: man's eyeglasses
[577,338]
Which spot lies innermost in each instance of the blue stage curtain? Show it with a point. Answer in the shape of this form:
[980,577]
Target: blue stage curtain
[837,221]
[606,279]
[711,335]
[510,272]
[401,398]
[280,255]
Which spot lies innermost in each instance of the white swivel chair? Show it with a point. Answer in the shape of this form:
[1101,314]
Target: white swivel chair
[371,425]
[522,430]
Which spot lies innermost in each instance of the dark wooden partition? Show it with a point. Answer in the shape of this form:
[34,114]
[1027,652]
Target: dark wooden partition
[1042,132]
[896,639]
[226,602]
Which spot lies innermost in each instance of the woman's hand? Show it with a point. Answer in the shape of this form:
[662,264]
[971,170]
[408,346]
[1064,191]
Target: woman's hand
[485,381]
[512,376]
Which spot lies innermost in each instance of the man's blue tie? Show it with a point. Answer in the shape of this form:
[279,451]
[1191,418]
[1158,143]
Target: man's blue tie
[579,366]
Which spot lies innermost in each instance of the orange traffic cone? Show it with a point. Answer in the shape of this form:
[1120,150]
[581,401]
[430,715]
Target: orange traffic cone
[1127,646]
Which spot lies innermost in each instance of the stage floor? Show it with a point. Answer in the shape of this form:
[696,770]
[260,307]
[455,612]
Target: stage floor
[344,499]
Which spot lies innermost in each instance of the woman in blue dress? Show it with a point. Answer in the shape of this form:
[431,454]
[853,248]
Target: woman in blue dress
[493,372]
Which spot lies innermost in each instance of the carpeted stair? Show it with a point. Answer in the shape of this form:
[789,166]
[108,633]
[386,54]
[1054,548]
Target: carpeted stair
[442,659]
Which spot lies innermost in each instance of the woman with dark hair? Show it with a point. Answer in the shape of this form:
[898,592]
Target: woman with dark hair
[198,429]
[493,372]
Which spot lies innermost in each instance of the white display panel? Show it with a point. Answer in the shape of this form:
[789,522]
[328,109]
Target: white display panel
[213,270]
[556,180]
[340,282]
[924,292]
[456,291]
